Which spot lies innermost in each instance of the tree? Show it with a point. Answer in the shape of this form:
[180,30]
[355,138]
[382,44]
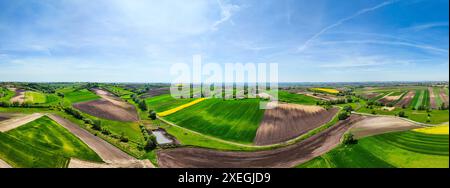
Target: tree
[152,115]
[143,105]
[348,108]
[343,116]
[97,125]
[401,114]
[349,139]
[151,143]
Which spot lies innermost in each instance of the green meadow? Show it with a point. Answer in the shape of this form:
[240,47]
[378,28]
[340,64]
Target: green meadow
[43,143]
[233,120]
[402,149]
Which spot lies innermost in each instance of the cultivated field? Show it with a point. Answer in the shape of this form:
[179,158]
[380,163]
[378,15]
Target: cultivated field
[108,107]
[42,143]
[234,120]
[408,149]
[288,156]
[288,121]
[406,100]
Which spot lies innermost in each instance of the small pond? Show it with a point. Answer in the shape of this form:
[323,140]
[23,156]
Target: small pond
[161,138]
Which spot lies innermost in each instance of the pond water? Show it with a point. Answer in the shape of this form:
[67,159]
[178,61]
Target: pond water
[161,138]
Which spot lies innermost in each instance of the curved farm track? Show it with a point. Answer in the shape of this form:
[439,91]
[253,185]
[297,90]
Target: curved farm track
[282,157]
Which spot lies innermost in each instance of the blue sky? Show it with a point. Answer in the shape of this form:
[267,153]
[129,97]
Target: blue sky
[138,41]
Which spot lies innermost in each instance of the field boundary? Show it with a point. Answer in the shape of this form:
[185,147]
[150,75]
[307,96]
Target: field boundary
[406,119]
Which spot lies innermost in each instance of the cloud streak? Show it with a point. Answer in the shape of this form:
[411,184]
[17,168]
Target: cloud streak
[341,21]
[227,11]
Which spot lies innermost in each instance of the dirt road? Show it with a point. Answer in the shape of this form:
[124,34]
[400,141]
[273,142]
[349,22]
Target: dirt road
[282,157]
[3,164]
[17,122]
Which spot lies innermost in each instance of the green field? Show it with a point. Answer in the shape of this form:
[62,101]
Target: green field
[403,149]
[75,96]
[234,120]
[437,97]
[35,97]
[5,94]
[426,98]
[165,102]
[415,99]
[43,143]
[285,96]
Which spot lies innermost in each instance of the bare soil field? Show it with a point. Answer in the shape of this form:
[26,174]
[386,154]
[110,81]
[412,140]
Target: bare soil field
[370,95]
[388,99]
[77,163]
[157,91]
[19,96]
[109,154]
[406,99]
[288,121]
[18,121]
[433,104]
[288,156]
[444,97]
[379,125]
[108,107]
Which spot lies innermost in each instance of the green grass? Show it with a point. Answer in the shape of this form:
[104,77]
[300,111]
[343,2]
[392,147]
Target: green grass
[35,97]
[426,98]
[165,102]
[403,149]
[285,96]
[234,120]
[5,94]
[415,99]
[41,140]
[75,96]
[437,97]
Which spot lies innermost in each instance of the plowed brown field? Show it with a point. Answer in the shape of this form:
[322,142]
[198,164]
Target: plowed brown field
[406,99]
[288,156]
[288,121]
[109,107]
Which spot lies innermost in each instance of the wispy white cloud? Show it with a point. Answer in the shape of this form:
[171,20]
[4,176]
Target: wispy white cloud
[426,26]
[341,21]
[227,10]
[397,43]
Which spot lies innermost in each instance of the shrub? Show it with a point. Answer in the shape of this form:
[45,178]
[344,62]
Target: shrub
[106,131]
[349,139]
[343,116]
[123,138]
[151,143]
[97,125]
[152,115]
[373,112]
[348,108]
[401,114]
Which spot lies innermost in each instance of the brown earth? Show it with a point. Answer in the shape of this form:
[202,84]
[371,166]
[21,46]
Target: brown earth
[158,91]
[108,107]
[379,125]
[388,99]
[288,121]
[370,95]
[444,97]
[406,99]
[3,164]
[288,156]
[433,104]
[320,96]
[19,96]
[19,121]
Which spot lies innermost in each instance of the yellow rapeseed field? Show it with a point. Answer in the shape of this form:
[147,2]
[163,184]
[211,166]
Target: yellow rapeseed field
[176,109]
[333,91]
[440,129]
